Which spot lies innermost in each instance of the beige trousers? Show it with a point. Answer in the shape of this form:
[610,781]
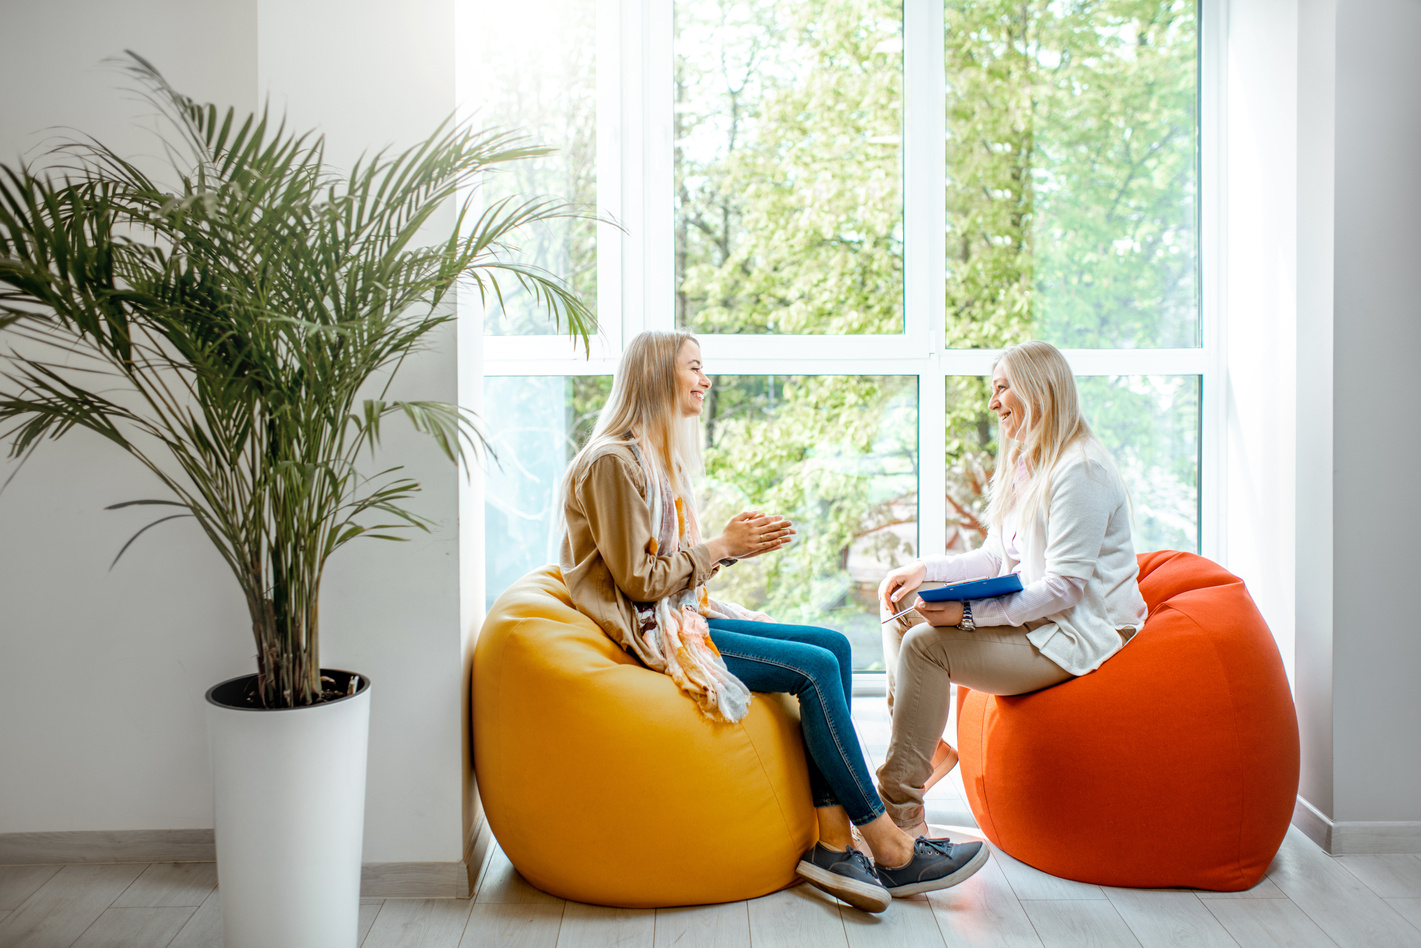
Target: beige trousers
[923,663]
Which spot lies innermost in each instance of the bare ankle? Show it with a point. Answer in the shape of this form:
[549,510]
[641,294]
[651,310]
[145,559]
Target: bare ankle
[896,854]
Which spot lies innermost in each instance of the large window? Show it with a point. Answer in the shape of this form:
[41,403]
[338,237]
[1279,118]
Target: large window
[855,203]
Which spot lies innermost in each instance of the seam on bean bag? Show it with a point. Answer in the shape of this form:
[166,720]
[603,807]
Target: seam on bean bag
[1237,867]
[765,774]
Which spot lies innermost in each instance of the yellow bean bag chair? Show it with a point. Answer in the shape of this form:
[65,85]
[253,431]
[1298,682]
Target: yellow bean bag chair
[604,784]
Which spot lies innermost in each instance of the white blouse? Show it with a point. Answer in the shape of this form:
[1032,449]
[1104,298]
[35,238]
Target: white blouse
[1077,564]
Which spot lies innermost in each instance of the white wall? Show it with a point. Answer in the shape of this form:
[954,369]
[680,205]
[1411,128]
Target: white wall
[102,673]
[1260,235]
[1377,388]
[1358,450]
[1316,180]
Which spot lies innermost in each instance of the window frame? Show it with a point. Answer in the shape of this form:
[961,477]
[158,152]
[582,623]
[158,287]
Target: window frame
[636,268]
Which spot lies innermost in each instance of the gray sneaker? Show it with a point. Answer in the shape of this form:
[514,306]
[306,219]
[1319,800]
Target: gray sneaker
[848,875]
[936,864]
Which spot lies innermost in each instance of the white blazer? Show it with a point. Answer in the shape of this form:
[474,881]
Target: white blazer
[1083,530]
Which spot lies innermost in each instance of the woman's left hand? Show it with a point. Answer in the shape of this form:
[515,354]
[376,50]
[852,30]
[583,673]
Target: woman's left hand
[941,615]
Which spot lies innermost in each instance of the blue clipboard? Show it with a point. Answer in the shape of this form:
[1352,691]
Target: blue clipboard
[974,589]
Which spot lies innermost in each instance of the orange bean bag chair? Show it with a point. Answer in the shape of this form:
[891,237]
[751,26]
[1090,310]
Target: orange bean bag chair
[1173,764]
[604,784]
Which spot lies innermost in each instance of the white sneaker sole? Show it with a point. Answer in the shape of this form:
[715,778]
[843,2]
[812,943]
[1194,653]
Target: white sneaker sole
[861,895]
[947,881]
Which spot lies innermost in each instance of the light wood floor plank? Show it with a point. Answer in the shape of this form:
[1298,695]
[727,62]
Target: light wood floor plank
[502,883]
[204,929]
[1391,877]
[18,883]
[704,926]
[1077,923]
[1264,890]
[950,815]
[1409,909]
[143,927]
[1350,913]
[1268,923]
[513,925]
[419,923]
[168,884]
[907,922]
[983,912]
[60,910]
[801,917]
[597,926]
[1169,919]
[1028,882]
[369,908]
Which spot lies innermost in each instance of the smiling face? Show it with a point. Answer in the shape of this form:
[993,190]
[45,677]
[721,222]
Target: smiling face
[691,382]
[1010,409]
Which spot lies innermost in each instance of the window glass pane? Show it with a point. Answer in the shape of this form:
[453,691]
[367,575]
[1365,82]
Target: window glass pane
[1072,173]
[538,74]
[838,455]
[1148,423]
[535,426]
[788,166]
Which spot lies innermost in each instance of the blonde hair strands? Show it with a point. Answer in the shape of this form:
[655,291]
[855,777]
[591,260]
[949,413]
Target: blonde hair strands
[1041,377]
[645,402]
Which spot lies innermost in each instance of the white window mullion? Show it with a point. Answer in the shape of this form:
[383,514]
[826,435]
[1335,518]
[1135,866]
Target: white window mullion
[1213,250]
[1137,361]
[924,186]
[829,348]
[658,169]
[932,467]
[611,149]
[924,264]
[629,90]
[751,365]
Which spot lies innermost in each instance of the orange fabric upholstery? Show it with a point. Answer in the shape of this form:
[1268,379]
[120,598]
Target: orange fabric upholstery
[1173,764]
[579,749]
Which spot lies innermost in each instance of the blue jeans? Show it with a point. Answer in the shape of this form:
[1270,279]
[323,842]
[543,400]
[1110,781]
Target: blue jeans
[816,666]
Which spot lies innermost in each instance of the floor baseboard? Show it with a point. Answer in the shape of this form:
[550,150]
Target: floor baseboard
[378,880]
[1349,838]
[106,846]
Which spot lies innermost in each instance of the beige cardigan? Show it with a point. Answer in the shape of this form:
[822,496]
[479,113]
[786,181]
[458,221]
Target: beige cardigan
[608,556]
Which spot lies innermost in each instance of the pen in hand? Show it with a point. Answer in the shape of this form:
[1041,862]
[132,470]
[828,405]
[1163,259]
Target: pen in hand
[899,614]
[960,582]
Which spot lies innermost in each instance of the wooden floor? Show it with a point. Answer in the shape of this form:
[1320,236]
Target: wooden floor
[1307,899]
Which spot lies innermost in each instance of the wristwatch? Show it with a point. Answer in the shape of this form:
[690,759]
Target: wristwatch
[967,625]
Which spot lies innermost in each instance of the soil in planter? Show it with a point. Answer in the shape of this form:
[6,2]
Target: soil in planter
[243,692]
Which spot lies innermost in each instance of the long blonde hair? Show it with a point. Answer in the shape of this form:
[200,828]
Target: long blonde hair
[646,403]
[1042,378]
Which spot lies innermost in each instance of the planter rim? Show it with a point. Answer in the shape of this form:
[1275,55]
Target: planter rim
[364,687]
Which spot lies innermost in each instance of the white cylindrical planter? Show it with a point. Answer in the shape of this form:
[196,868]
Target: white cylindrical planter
[289,789]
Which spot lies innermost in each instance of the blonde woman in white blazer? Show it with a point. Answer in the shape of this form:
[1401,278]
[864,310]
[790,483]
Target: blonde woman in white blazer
[1058,514]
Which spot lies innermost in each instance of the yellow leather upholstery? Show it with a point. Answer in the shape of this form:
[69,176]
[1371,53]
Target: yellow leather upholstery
[604,784]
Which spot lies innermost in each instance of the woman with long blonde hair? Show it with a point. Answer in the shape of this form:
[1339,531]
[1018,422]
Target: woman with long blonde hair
[635,562]
[1058,515]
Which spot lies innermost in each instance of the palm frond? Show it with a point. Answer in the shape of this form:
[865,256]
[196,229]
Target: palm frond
[222,323]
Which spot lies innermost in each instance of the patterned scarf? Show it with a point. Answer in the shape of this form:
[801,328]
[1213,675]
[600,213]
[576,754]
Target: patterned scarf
[674,628]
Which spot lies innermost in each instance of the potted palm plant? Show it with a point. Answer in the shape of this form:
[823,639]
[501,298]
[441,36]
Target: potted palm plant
[235,329]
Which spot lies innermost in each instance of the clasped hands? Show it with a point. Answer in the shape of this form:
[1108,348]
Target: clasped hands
[901,583]
[751,533]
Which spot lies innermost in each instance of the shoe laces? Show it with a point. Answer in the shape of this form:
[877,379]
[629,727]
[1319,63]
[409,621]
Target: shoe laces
[859,859]
[940,846]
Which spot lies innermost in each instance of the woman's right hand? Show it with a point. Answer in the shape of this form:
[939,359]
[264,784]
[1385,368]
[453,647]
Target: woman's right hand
[899,582]
[751,533]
